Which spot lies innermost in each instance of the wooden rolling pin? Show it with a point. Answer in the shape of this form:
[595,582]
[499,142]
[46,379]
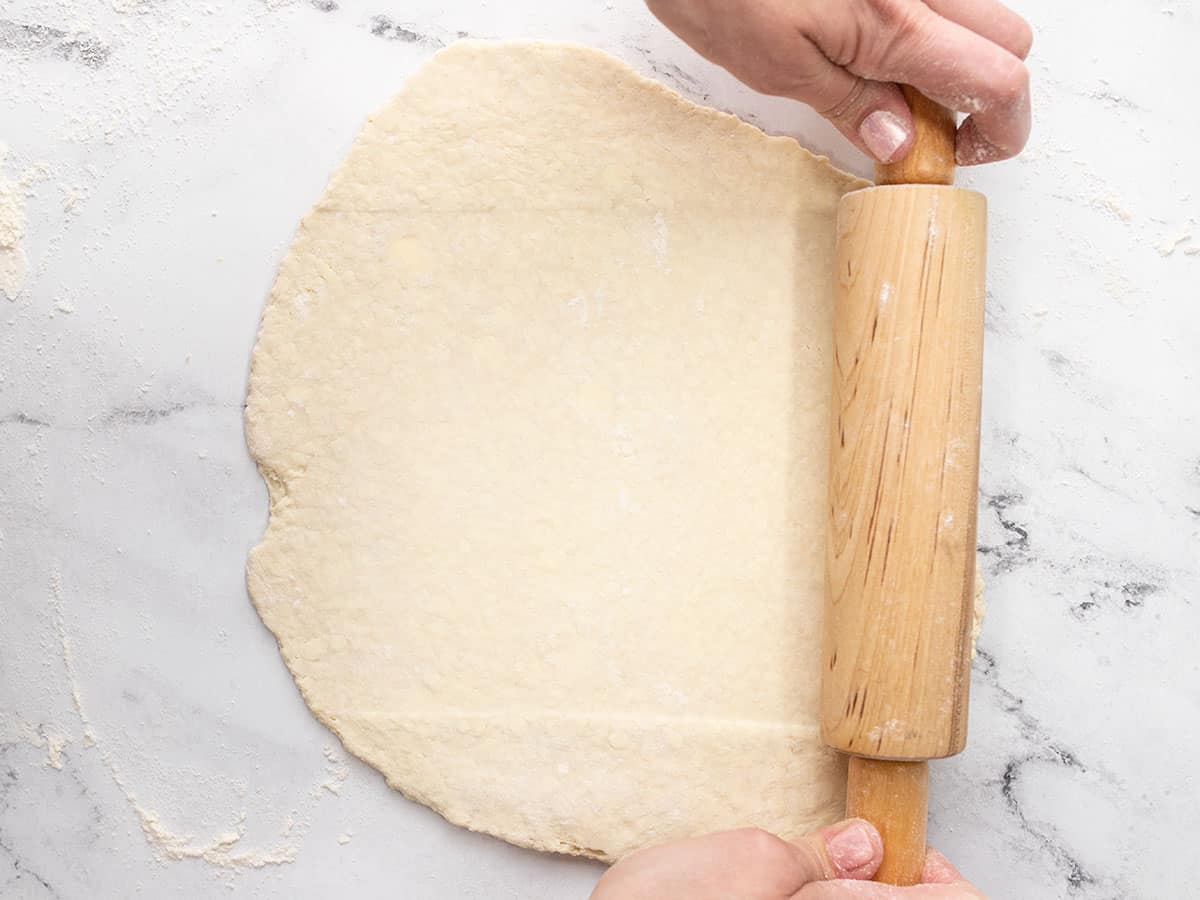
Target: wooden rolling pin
[903,483]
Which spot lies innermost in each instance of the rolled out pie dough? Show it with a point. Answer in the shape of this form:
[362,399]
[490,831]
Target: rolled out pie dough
[541,398]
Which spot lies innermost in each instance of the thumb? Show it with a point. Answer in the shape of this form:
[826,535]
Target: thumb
[849,849]
[873,115]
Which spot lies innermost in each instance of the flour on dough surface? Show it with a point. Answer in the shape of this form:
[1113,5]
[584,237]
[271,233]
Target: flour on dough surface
[541,396]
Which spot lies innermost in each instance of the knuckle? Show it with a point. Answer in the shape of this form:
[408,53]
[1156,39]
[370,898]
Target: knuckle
[1023,38]
[901,18]
[885,10]
[843,46]
[1013,84]
[900,26]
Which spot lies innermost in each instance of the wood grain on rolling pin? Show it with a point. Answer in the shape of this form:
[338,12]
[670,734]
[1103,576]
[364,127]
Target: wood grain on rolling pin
[903,471]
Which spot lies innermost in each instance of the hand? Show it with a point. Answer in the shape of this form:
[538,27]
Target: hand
[751,864]
[842,58]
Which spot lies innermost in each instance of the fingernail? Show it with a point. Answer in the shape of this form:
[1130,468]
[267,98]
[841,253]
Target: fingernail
[853,847]
[884,134]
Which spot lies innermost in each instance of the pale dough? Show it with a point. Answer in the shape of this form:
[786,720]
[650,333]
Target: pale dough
[541,395]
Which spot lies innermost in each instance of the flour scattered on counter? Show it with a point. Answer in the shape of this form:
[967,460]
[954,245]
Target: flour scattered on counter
[13,264]
[1120,286]
[1112,205]
[1170,245]
[44,737]
[73,195]
[55,744]
[222,850]
[336,770]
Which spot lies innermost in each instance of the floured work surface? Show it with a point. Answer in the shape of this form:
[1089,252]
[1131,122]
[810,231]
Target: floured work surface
[541,395]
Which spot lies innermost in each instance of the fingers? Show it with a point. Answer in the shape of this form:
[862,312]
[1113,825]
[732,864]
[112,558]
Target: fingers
[706,867]
[988,19]
[843,58]
[873,115]
[968,73]
[939,881]
[761,44]
[870,890]
[748,862]
[776,868]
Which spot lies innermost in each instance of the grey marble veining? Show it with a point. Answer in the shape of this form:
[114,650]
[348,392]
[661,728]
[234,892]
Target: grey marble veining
[151,742]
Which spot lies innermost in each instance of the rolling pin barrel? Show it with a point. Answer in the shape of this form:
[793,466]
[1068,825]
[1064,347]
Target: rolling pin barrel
[903,483]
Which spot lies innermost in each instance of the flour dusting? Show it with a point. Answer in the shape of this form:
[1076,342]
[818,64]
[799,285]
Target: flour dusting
[336,769]
[44,736]
[1171,244]
[13,264]
[221,850]
[1113,206]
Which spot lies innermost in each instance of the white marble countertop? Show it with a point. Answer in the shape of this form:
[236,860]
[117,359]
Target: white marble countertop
[152,743]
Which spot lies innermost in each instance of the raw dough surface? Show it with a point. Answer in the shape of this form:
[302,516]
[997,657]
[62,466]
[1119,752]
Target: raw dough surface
[541,397]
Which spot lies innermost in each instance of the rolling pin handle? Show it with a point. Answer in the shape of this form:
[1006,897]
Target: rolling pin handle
[931,159]
[894,797]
